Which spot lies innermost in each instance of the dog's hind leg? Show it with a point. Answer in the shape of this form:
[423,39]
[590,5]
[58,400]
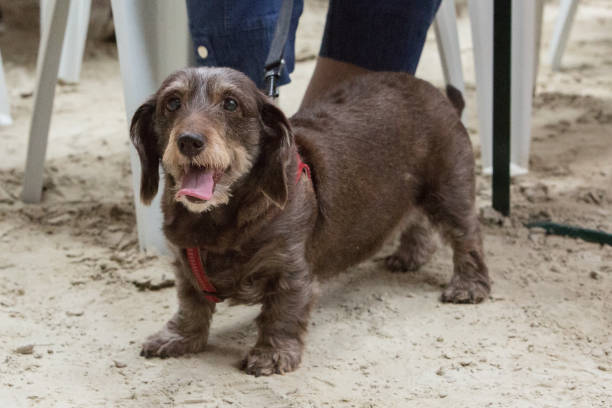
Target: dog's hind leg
[187,331]
[452,209]
[415,248]
[470,281]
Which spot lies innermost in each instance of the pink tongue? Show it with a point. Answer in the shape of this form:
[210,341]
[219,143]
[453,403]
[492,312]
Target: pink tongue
[198,184]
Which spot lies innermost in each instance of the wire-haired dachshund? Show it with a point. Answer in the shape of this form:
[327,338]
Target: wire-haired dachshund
[258,208]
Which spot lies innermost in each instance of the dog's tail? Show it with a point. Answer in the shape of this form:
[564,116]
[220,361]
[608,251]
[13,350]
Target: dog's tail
[456,98]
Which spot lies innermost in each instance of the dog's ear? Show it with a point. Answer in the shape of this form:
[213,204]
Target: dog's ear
[144,138]
[277,140]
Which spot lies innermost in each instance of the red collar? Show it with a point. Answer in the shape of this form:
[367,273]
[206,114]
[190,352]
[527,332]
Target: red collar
[195,259]
[301,167]
[195,263]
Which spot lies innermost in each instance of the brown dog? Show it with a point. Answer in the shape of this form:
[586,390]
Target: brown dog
[386,151]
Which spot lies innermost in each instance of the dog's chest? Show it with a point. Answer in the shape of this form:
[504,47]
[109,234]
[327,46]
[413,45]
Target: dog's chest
[236,276]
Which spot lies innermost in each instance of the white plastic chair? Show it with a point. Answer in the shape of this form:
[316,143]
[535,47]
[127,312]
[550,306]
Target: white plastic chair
[523,55]
[5,108]
[150,46]
[74,39]
[72,51]
[49,53]
[153,40]
[57,18]
[563,26]
[525,35]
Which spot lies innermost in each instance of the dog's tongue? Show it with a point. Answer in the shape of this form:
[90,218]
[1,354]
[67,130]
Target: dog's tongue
[198,183]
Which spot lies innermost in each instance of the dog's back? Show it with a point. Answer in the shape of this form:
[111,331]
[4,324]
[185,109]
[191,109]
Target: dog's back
[379,145]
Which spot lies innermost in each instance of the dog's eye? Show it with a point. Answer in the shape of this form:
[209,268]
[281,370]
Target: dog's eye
[173,104]
[230,104]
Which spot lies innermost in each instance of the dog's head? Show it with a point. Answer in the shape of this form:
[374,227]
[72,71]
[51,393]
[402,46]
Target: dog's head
[210,128]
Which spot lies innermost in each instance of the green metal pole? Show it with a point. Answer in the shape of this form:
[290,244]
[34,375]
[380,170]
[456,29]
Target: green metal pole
[502,41]
[589,235]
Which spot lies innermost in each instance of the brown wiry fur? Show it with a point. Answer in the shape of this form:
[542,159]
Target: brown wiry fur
[385,150]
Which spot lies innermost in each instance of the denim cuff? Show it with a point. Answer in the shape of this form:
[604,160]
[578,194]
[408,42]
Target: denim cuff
[381,36]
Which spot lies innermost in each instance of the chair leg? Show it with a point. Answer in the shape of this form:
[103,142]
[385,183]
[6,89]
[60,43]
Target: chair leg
[481,22]
[539,16]
[74,40]
[523,55]
[5,108]
[567,12]
[47,68]
[447,38]
[150,47]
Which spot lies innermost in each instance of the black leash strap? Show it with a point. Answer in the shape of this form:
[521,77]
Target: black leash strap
[275,62]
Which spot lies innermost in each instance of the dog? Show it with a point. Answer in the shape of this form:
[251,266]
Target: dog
[259,208]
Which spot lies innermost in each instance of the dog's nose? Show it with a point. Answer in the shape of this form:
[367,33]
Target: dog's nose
[190,144]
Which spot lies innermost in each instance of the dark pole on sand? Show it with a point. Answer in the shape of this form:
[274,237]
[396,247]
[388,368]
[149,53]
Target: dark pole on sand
[502,35]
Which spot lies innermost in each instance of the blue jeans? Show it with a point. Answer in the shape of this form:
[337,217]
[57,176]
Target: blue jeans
[382,35]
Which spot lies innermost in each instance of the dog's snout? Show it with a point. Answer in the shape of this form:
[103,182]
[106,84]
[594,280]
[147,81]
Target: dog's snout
[190,144]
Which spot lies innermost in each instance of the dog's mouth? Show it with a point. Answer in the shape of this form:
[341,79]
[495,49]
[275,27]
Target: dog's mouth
[199,183]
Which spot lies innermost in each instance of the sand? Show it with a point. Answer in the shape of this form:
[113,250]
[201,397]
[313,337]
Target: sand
[77,297]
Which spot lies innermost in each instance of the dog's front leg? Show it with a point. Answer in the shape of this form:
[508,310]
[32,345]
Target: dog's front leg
[282,325]
[187,330]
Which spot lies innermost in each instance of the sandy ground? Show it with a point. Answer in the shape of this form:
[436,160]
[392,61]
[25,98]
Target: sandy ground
[68,265]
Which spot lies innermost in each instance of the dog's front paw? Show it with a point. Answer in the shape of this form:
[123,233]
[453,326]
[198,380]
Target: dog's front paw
[268,360]
[167,343]
[466,291]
